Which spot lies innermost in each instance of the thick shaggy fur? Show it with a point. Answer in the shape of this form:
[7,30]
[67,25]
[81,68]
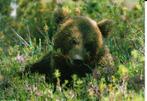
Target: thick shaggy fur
[79,49]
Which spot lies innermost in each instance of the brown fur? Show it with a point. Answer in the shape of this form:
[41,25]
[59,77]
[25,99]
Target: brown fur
[91,34]
[79,49]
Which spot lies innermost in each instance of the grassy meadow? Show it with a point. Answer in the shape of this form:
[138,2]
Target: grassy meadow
[26,37]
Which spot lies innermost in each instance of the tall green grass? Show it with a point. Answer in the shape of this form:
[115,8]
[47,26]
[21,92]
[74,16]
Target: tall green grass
[126,44]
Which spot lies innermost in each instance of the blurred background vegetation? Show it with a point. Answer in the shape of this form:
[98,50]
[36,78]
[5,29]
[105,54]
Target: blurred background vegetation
[26,29]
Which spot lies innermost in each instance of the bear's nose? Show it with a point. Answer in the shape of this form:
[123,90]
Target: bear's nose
[77,59]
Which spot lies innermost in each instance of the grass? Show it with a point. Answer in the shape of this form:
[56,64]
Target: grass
[126,44]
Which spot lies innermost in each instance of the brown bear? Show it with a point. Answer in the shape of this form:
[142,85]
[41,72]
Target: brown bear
[78,49]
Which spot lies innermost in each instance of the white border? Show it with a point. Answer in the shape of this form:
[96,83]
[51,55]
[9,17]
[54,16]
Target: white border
[145,50]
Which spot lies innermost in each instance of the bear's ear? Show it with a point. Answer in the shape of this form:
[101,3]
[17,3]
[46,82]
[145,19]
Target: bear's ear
[60,12]
[105,27]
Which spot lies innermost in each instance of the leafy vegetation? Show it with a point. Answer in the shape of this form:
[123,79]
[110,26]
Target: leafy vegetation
[24,39]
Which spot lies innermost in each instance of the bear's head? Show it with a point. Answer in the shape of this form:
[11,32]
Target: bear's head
[81,38]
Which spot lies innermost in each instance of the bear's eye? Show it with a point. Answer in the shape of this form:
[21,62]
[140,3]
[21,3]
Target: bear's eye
[74,41]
